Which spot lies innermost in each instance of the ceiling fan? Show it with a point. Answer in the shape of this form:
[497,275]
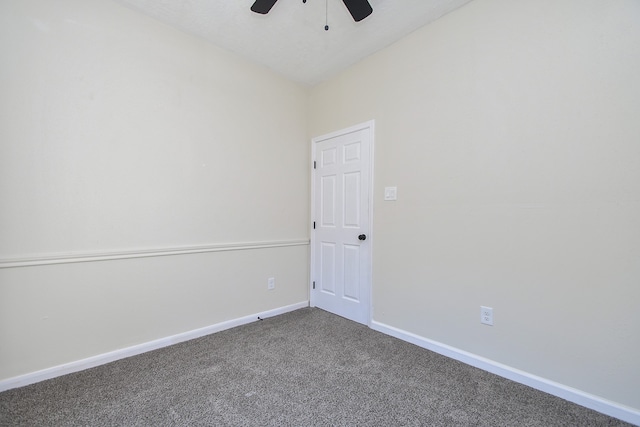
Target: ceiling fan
[359,9]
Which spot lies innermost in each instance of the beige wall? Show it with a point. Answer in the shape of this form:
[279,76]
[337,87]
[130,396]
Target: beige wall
[118,133]
[512,132]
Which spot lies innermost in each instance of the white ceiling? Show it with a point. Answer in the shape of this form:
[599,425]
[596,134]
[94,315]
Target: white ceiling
[291,39]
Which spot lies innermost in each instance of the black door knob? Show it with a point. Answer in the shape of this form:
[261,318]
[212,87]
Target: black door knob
[362,237]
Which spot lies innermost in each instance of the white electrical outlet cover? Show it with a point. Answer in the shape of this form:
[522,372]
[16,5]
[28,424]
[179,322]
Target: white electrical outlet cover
[486,315]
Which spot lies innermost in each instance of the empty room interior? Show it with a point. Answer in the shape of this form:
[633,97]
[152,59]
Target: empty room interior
[158,184]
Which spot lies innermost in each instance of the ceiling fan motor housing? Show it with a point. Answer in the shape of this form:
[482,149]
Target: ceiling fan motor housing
[359,9]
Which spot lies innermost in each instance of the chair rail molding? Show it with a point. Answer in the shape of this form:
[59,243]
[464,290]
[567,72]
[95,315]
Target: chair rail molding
[70,258]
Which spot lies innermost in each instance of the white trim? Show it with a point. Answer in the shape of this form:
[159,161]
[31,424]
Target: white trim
[372,136]
[101,359]
[355,128]
[579,397]
[145,253]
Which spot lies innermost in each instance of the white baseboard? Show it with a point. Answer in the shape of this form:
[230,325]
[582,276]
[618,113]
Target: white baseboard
[587,400]
[101,359]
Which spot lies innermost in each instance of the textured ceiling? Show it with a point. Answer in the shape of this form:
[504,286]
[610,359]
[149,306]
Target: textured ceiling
[291,39]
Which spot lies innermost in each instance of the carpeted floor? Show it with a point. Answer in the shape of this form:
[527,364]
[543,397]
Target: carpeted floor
[304,368]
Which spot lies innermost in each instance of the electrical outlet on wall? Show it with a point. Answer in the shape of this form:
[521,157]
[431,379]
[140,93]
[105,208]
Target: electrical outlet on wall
[271,283]
[486,315]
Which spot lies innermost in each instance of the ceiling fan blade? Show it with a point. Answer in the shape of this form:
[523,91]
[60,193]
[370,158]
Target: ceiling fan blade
[359,9]
[263,6]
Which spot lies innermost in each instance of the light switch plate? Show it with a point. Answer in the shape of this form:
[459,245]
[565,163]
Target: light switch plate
[391,193]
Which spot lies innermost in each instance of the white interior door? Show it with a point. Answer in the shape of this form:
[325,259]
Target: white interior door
[341,236]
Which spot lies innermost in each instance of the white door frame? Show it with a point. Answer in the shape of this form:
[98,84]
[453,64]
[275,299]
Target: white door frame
[369,272]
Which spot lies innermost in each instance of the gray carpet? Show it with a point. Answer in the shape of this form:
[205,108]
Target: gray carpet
[305,368]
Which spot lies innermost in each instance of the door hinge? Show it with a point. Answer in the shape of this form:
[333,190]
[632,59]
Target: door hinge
[314,225]
[314,164]
[314,285]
